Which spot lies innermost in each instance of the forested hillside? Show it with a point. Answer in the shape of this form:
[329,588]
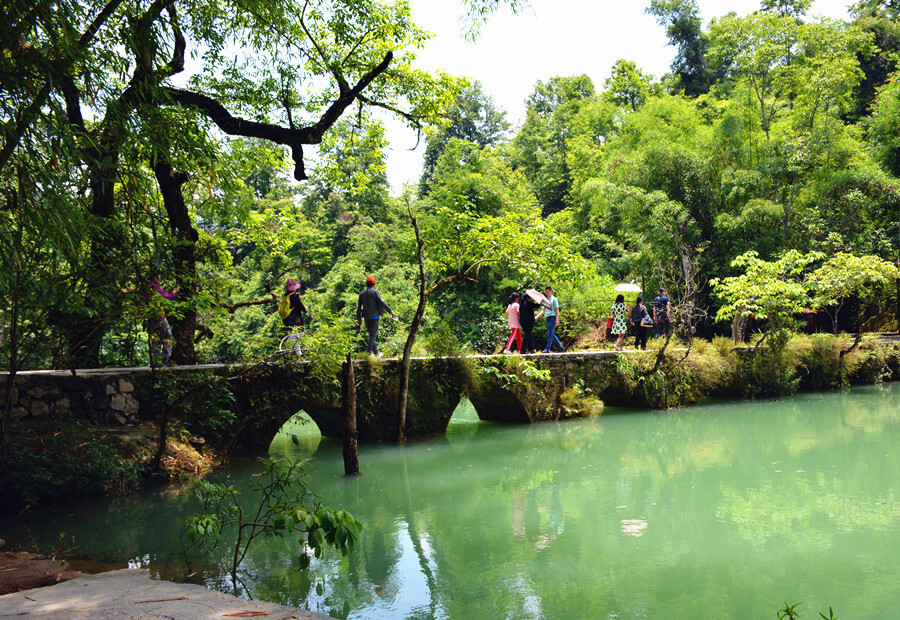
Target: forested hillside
[773,132]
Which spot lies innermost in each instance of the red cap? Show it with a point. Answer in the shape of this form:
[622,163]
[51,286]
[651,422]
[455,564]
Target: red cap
[370,280]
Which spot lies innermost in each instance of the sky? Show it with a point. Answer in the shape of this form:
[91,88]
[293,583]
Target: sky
[551,38]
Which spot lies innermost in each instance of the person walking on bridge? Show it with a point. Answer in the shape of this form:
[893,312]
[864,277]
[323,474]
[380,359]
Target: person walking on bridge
[661,309]
[512,311]
[620,326]
[527,306]
[552,314]
[371,306]
[158,327]
[291,310]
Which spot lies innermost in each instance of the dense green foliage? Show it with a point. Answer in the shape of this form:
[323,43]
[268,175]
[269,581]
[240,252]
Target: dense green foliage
[52,463]
[774,137]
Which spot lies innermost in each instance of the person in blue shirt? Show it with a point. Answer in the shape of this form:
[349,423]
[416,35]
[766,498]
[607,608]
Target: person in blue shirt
[552,315]
[661,309]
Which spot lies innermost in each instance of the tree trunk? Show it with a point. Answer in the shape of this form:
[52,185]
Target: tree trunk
[400,435]
[737,336]
[184,327]
[86,323]
[844,352]
[351,435]
[163,435]
[13,363]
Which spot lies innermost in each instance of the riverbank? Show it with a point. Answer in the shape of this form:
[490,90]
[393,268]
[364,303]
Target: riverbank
[23,571]
[48,462]
[130,593]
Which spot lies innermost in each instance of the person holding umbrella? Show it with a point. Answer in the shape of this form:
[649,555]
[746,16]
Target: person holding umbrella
[527,306]
[637,316]
[619,326]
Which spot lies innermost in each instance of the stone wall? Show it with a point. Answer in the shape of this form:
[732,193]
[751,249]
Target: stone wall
[531,389]
[264,397]
[512,389]
[101,399]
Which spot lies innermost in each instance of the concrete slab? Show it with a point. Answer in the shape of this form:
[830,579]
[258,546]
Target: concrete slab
[131,594]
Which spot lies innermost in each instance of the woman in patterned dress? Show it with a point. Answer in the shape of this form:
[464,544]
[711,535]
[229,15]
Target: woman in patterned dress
[620,321]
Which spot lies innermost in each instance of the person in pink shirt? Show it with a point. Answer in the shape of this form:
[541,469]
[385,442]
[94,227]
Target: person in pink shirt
[512,311]
[158,328]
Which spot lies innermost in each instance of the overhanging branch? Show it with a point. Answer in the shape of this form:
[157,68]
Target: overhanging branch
[294,138]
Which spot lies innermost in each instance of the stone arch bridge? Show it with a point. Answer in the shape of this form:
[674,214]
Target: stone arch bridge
[508,389]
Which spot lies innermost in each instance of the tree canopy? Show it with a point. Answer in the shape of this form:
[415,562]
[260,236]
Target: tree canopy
[174,137]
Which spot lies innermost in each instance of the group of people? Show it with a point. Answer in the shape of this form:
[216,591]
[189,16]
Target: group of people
[640,319]
[522,313]
[370,307]
[522,319]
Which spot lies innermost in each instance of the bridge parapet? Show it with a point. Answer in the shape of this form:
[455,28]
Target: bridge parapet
[520,389]
[263,397]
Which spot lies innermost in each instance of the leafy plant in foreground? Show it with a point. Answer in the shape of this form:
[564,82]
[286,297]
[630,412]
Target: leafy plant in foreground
[286,507]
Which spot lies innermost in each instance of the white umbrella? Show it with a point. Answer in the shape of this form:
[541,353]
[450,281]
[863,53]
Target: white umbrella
[628,287]
[538,297]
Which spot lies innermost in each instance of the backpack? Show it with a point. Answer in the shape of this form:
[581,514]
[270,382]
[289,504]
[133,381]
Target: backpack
[284,307]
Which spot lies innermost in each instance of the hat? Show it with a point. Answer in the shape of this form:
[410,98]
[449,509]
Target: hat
[370,280]
[292,285]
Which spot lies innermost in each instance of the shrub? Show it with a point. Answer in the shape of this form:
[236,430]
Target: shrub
[49,465]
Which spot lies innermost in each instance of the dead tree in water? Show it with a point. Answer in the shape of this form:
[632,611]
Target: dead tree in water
[351,434]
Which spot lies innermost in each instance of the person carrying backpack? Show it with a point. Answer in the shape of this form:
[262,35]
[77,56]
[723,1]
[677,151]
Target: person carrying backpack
[291,310]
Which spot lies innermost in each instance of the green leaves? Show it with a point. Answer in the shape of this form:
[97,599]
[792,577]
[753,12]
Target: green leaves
[285,507]
[768,290]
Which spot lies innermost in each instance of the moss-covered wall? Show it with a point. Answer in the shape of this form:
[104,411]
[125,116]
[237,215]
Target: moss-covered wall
[261,398]
[268,396]
[512,389]
[254,402]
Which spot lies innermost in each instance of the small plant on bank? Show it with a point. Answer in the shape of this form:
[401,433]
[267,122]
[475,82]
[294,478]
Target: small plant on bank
[790,613]
[580,398]
[512,371]
[286,508]
[200,403]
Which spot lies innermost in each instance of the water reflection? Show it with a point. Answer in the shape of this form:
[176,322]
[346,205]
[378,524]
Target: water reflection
[724,510]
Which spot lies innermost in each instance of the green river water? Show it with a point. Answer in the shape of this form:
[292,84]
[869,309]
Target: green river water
[724,510]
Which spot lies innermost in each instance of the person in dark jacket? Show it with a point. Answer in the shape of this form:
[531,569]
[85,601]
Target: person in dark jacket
[661,307]
[527,306]
[295,318]
[640,318]
[370,307]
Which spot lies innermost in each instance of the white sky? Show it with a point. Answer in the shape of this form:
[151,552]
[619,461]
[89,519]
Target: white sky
[551,38]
